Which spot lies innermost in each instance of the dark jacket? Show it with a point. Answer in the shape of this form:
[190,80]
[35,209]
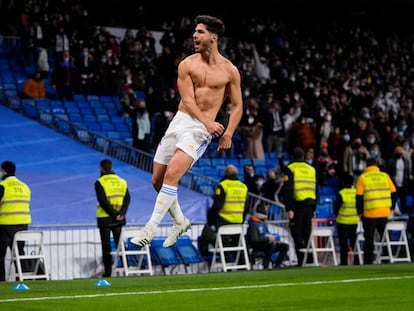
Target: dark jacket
[103,201]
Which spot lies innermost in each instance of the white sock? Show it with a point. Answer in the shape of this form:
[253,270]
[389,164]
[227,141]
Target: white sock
[165,199]
[176,212]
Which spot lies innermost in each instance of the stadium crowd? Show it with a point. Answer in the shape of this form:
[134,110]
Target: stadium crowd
[342,90]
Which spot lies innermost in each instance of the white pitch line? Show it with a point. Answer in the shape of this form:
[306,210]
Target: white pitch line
[185,290]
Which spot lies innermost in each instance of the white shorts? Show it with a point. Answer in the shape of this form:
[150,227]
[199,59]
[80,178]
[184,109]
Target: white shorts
[186,133]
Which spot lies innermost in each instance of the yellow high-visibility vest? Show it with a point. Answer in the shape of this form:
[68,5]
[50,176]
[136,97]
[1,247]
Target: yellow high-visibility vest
[15,204]
[377,193]
[304,181]
[236,194]
[115,189]
[347,214]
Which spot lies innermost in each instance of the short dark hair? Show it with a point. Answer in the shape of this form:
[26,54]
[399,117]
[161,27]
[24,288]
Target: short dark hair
[371,161]
[106,165]
[9,167]
[298,154]
[213,24]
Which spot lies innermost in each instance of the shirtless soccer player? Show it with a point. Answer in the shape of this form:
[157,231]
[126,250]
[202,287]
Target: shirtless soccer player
[205,80]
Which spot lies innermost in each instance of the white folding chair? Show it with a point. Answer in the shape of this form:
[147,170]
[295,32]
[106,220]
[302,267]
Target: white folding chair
[395,242]
[321,241]
[135,260]
[230,257]
[33,258]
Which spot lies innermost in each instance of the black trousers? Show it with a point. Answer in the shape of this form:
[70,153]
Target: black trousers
[301,228]
[347,237]
[7,233]
[105,233]
[370,226]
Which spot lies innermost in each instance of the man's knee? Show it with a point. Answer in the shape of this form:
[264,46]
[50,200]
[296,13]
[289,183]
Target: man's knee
[156,183]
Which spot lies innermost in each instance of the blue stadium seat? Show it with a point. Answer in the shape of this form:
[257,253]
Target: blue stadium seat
[31,111]
[105,98]
[233,161]
[79,97]
[218,162]
[92,98]
[203,162]
[95,103]
[75,117]
[166,257]
[188,253]
[43,104]
[107,126]
[243,162]
[117,119]
[198,169]
[103,118]
[258,162]
[121,127]
[89,117]
[72,110]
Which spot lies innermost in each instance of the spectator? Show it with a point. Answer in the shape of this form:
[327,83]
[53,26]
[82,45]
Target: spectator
[301,192]
[289,120]
[310,157]
[251,128]
[229,207]
[62,44]
[64,77]
[273,128]
[326,166]
[355,157]
[304,133]
[249,173]
[85,72]
[326,129]
[42,64]
[141,124]
[160,122]
[103,79]
[346,218]
[260,239]
[113,201]
[376,197]
[271,186]
[34,87]
[15,216]
[398,168]
[375,153]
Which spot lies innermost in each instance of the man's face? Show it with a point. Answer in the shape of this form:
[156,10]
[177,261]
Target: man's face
[202,39]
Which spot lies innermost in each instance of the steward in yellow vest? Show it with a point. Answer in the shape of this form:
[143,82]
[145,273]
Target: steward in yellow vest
[347,218]
[230,199]
[229,207]
[113,202]
[15,216]
[376,196]
[300,182]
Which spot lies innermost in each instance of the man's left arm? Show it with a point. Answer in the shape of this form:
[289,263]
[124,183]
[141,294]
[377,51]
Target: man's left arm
[394,195]
[218,199]
[236,100]
[125,203]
